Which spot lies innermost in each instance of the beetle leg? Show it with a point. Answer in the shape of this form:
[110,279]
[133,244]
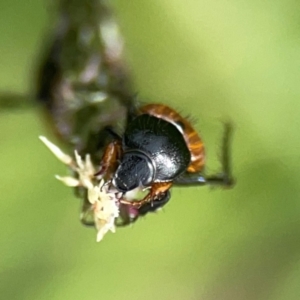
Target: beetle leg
[157,192]
[156,204]
[130,214]
[86,214]
[199,179]
[224,178]
[112,133]
[111,155]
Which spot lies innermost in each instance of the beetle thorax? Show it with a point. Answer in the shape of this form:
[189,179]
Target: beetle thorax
[162,142]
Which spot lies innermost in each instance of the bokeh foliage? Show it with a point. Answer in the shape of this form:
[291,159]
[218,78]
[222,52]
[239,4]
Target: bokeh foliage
[213,60]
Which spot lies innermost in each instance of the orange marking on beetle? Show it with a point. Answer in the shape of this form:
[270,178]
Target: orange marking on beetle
[192,139]
[110,157]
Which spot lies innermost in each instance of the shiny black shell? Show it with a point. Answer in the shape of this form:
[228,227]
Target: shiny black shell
[162,142]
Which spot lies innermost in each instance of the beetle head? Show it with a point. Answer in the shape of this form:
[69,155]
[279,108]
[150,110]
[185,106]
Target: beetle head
[135,170]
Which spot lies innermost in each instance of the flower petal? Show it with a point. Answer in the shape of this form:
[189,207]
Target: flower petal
[79,160]
[67,180]
[66,159]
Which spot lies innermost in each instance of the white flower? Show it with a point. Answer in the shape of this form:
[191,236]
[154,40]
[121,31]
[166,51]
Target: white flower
[84,168]
[66,159]
[105,205]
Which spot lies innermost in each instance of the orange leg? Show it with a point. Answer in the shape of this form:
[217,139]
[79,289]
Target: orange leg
[156,192]
[109,162]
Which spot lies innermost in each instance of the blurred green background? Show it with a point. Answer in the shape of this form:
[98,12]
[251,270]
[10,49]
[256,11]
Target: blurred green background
[234,59]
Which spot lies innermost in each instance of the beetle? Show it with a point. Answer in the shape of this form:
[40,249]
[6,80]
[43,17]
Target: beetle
[85,92]
[84,88]
[159,148]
